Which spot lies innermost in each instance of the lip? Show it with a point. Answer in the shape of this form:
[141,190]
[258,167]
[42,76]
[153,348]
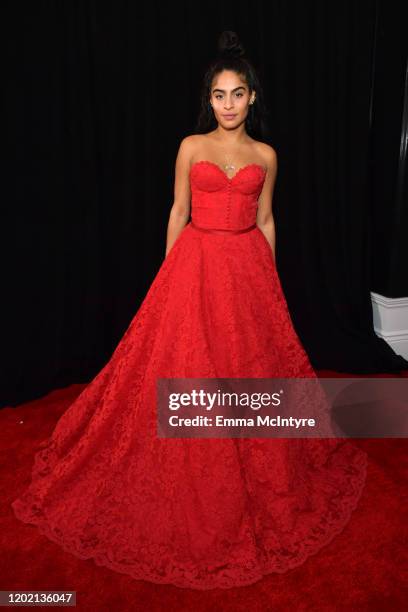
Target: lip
[229,116]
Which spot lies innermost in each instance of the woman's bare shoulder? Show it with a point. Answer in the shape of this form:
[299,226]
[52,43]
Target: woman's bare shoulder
[264,148]
[267,152]
[194,139]
[190,145]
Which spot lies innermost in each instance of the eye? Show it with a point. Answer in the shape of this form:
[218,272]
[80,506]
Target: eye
[239,93]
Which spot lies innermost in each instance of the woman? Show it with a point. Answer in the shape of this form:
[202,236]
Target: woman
[199,513]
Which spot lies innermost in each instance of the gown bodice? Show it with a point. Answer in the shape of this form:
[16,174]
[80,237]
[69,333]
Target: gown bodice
[218,201]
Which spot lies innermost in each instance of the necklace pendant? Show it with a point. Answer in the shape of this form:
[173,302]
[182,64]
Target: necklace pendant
[229,167]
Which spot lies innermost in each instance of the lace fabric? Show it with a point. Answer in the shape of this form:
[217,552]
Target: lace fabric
[195,513]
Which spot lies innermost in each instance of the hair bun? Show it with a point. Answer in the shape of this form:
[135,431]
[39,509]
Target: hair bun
[229,45]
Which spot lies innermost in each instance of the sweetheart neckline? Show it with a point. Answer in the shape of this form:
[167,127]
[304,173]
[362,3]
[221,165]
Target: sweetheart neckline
[206,161]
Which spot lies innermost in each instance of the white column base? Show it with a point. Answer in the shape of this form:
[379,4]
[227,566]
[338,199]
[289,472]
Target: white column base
[390,316]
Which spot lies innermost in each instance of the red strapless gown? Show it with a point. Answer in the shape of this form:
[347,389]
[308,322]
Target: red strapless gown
[198,513]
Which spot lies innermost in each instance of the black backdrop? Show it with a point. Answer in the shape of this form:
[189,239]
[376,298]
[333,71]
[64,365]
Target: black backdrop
[98,96]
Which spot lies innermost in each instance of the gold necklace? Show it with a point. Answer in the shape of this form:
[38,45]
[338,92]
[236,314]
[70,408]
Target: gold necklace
[228,165]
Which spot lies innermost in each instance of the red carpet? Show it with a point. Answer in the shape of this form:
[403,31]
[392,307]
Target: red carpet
[364,568]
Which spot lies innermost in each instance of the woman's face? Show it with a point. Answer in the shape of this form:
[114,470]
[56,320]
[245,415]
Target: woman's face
[230,99]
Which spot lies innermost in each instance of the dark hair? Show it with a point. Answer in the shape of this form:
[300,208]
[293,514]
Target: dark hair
[231,56]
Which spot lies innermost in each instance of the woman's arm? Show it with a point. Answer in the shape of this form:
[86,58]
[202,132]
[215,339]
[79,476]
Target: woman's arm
[264,217]
[180,210]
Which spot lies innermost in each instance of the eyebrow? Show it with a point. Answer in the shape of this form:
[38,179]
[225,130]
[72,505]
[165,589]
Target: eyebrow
[223,90]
